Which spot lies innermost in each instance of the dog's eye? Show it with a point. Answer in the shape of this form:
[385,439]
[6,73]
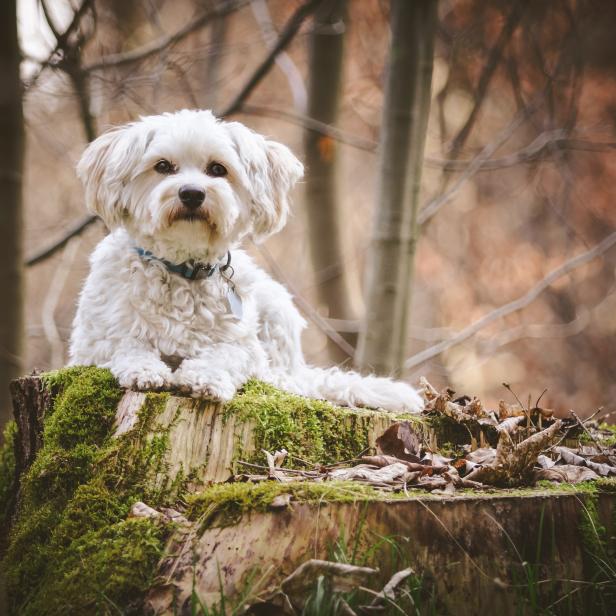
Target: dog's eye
[216,170]
[165,167]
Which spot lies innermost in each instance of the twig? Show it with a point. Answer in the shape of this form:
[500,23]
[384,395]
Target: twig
[494,58]
[592,438]
[150,49]
[299,119]
[591,417]
[284,61]
[542,144]
[433,206]
[286,36]
[60,243]
[515,305]
[61,40]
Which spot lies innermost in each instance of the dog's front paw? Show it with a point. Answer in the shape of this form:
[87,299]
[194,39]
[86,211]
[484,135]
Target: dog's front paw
[146,377]
[199,382]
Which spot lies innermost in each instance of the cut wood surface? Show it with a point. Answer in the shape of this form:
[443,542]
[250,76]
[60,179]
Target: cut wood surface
[472,546]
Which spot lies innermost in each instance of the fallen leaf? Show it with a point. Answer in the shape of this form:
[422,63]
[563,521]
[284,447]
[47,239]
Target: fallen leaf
[365,472]
[400,441]
[567,473]
[513,464]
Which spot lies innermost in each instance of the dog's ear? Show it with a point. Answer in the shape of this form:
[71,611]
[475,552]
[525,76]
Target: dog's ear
[106,166]
[272,171]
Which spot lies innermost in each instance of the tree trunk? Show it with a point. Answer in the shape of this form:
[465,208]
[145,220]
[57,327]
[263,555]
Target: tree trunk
[382,341]
[11,169]
[326,243]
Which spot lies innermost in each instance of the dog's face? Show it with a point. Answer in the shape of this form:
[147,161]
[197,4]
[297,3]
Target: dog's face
[189,181]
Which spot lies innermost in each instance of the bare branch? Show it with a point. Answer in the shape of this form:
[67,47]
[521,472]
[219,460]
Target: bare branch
[284,61]
[52,59]
[47,252]
[515,305]
[433,206]
[545,143]
[360,143]
[494,58]
[286,36]
[151,49]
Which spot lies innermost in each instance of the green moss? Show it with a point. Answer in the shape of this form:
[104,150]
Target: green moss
[7,466]
[84,407]
[224,503]
[610,441]
[312,430]
[106,570]
[72,548]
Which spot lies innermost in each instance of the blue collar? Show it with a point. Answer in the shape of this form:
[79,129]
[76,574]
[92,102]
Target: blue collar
[191,269]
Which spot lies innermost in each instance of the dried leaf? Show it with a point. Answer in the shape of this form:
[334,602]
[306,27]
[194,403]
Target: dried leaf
[400,441]
[485,455]
[513,464]
[506,410]
[545,462]
[567,473]
[383,460]
[365,472]
[510,425]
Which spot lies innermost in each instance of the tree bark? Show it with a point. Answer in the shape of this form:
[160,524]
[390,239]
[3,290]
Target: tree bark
[11,169]
[326,244]
[382,340]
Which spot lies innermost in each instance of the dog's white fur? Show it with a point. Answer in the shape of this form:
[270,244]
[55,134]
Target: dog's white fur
[133,312]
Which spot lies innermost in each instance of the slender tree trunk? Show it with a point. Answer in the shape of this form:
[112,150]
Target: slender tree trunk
[11,164]
[382,341]
[325,70]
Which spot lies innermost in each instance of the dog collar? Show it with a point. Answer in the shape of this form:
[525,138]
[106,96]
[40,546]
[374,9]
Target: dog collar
[195,270]
[191,269]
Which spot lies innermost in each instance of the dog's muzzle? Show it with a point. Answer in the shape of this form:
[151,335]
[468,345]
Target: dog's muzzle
[191,196]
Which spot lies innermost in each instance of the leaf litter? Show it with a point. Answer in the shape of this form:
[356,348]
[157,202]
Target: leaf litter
[527,447]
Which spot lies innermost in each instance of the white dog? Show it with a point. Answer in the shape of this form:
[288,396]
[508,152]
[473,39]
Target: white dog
[171,302]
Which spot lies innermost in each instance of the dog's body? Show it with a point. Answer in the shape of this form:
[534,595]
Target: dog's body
[186,188]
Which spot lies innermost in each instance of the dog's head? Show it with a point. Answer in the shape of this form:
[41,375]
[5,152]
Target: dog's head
[187,179]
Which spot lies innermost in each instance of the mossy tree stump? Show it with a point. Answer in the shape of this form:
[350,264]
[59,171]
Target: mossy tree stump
[86,452]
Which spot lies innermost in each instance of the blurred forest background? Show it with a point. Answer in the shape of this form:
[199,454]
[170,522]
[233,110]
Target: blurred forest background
[480,132]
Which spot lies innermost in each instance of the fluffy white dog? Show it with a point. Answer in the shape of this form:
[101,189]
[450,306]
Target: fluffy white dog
[170,301]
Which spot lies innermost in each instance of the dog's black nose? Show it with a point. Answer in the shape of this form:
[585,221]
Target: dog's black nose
[191,196]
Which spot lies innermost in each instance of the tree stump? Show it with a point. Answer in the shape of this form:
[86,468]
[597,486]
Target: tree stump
[123,503]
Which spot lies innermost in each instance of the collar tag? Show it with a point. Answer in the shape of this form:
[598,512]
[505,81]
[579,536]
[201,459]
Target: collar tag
[235,303]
